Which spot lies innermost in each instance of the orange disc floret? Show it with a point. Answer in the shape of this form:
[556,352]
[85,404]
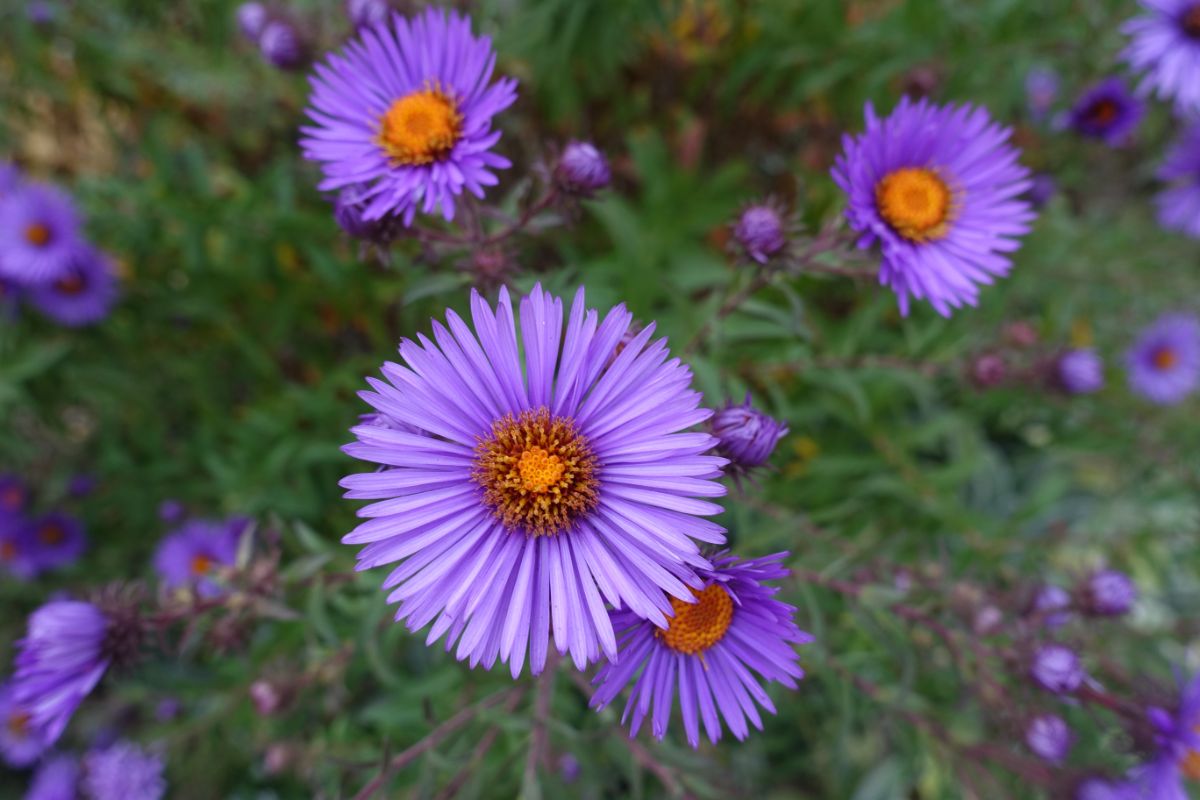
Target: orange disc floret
[695,627]
[916,202]
[420,128]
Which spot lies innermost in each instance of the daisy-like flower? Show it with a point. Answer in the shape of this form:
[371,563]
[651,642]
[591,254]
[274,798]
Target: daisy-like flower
[58,541]
[14,494]
[939,188]
[1107,111]
[1177,754]
[21,743]
[1164,363]
[39,233]
[1179,204]
[61,659]
[405,110]
[729,628]
[81,295]
[57,778]
[553,471]
[17,546]
[124,771]
[1165,45]
[190,554]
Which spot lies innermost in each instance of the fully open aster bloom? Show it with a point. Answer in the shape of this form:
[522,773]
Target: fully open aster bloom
[188,555]
[124,771]
[405,110]
[20,742]
[61,659]
[728,628]
[1179,204]
[57,778]
[58,541]
[81,295]
[939,187]
[39,232]
[1107,111]
[1177,758]
[553,471]
[1164,363]
[1165,45]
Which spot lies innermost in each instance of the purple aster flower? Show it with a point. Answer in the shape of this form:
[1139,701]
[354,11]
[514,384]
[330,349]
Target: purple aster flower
[14,494]
[58,541]
[1041,90]
[1048,737]
[281,45]
[189,555]
[10,299]
[582,169]
[57,778]
[39,234]
[1056,669]
[1165,44]
[348,213]
[18,547]
[365,13]
[124,771]
[1109,593]
[81,295]
[1107,111]
[760,231]
[706,651]
[1079,372]
[939,187]
[1164,363]
[406,110]
[1177,749]
[59,662]
[1053,603]
[21,743]
[1103,789]
[251,19]
[10,178]
[543,485]
[1179,204]
[746,436]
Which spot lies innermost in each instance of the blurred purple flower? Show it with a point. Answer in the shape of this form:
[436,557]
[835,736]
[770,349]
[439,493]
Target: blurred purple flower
[1165,44]
[188,555]
[1041,90]
[1048,737]
[1056,669]
[1179,204]
[281,45]
[14,494]
[1109,593]
[58,541]
[582,169]
[124,771]
[1042,189]
[1107,111]
[1053,603]
[57,778]
[760,231]
[251,19]
[82,294]
[366,13]
[1079,371]
[21,743]
[81,485]
[1177,749]
[40,231]
[18,548]
[171,510]
[1164,362]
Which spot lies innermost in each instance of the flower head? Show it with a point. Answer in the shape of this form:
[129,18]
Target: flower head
[57,778]
[760,231]
[747,436]
[39,234]
[939,187]
[554,471]
[1107,111]
[1179,203]
[124,771]
[1053,603]
[1056,669]
[1079,372]
[730,627]
[1164,363]
[82,294]
[1164,43]
[1041,90]
[1048,737]
[251,19]
[14,494]
[1177,749]
[21,743]
[582,169]
[191,554]
[365,13]
[61,659]
[1109,593]
[280,44]
[58,540]
[405,110]
[18,548]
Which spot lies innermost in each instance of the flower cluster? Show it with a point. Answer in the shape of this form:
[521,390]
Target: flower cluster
[33,544]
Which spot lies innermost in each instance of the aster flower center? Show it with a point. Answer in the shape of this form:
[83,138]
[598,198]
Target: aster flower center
[37,234]
[18,723]
[1190,21]
[420,128]
[51,534]
[916,202]
[8,551]
[201,564]
[1164,358]
[1102,113]
[1190,766]
[72,284]
[537,472]
[695,627]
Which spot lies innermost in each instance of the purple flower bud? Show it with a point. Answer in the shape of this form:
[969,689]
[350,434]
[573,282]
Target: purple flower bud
[170,510]
[266,698]
[1049,737]
[1052,604]
[747,436]
[1079,372]
[582,169]
[1056,669]
[251,19]
[1041,90]
[348,212]
[1043,188]
[760,232]
[81,485]
[1100,789]
[568,768]
[167,709]
[1109,593]
[988,370]
[41,12]
[280,44]
[367,13]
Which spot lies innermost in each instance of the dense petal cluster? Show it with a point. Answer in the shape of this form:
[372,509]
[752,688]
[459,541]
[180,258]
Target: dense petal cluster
[939,188]
[124,771]
[29,547]
[1164,363]
[189,555]
[57,778]
[1179,203]
[1164,44]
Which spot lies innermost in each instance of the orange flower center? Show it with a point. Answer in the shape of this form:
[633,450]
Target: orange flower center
[1190,766]
[698,626]
[916,202]
[1102,113]
[12,498]
[8,551]
[1164,358]
[51,534]
[201,564]
[420,128]
[537,472]
[72,284]
[37,234]
[1191,21]
[18,723]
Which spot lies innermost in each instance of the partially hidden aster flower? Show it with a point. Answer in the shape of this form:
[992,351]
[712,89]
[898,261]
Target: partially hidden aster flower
[1109,593]
[39,234]
[10,178]
[542,484]
[1179,203]
[82,294]
[582,169]
[939,188]
[365,13]
[61,659]
[124,771]
[761,232]
[348,213]
[58,541]
[1177,749]
[57,778]
[281,45]
[1165,45]
[1079,371]
[21,743]
[18,549]
[251,19]
[746,436]
[189,555]
[1053,603]
[730,628]
[14,494]
[1056,669]
[1049,737]
[405,110]
[1107,111]
[1164,363]
[1043,188]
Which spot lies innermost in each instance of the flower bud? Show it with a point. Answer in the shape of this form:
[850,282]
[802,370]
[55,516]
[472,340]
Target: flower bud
[747,437]
[760,232]
[1109,593]
[367,13]
[1053,604]
[988,370]
[1048,737]
[1056,669]
[280,44]
[582,169]
[1079,372]
[251,19]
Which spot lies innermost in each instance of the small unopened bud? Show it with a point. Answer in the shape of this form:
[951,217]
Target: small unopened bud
[251,19]
[760,232]
[266,698]
[1052,603]
[367,13]
[1108,593]
[747,437]
[280,44]
[1048,737]
[582,169]
[1056,669]
[1079,372]
[988,370]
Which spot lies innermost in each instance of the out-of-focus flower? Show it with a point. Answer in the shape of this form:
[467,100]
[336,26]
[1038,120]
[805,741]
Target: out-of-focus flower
[568,768]
[550,478]
[1107,111]
[405,111]
[251,19]
[988,370]
[348,213]
[1165,45]
[1179,203]
[365,13]
[18,548]
[1108,593]
[1164,363]
[81,485]
[82,294]
[1056,669]
[1043,188]
[58,541]
[1048,737]
[39,234]
[21,743]
[939,188]
[188,555]
[1177,749]
[41,12]
[281,45]
[706,652]
[1053,603]
[14,494]
[57,778]
[747,436]
[171,510]
[1041,91]
[1079,372]
[124,771]
[761,232]
[266,698]
[582,169]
